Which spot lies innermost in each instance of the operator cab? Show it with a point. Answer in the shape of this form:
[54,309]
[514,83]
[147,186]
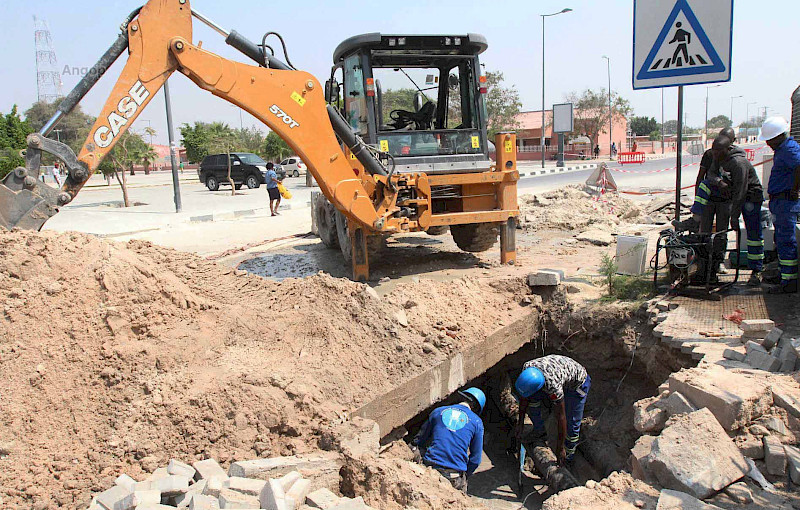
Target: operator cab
[417,97]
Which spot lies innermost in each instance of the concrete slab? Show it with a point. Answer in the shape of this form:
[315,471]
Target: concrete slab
[787,399]
[209,468]
[774,456]
[273,497]
[676,500]
[323,499]
[229,499]
[176,467]
[249,486]
[763,361]
[756,325]
[544,279]
[278,466]
[793,458]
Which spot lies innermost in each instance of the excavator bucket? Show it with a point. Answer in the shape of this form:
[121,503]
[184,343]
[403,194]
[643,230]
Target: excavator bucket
[25,201]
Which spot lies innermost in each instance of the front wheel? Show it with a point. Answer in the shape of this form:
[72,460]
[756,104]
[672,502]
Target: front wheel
[475,237]
[253,182]
[212,183]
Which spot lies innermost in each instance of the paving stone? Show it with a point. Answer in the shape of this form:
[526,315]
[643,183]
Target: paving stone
[278,466]
[648,415]
[753,346]
[158,474]
[788,365]
[126,481]
[774,456]
[639,465]
[272,496]
[733,354]
[249,486]
[289,479]
[774,424]
[171,485]
[772,338]
[751,447]
[201,502]
[322,498]
[793,456]
[733,398]
[208,468]
[757,336]
[213,486]
[236,500]
[544,279]
[756,325]
[740,493]
[763,361]
[296,495]
[676,500]
[108,498]
[176,467]
[694,454]
[351,504]
[676,403]
[137,498]
[787,399]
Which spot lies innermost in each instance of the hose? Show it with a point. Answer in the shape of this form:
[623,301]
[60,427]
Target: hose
[283,45]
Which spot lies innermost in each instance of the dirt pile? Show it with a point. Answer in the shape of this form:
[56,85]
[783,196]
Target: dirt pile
[617,492]
[116,357]
[572,208]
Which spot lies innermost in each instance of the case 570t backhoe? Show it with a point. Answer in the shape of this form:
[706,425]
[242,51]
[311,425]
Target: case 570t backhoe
[384,167]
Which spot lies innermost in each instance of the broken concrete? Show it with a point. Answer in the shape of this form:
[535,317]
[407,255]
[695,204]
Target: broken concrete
[649,415]
[209,468]
[247,486]
[733,354]
[322,499]
[279,466]
[774,456]
[793,458]
[676,403]
[176,467]
[236,500]
[756,325]
[676,500]
[639,465]
[771,339]
[787,399]
[740,493]
[734,399]
[695,455]
[763,361]
[544,278]
[272,497]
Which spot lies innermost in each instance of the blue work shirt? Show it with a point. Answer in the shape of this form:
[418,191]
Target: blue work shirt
[454,438]
[786,159]
[270,176]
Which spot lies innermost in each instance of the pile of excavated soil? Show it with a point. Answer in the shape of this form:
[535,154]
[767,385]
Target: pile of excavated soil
[617,492]
[116,357]
[572,208]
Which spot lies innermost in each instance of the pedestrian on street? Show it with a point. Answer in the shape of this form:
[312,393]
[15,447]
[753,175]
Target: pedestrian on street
[272,189]
[613,149]
[451,440]
[784,199]
[596,151]
[562,384]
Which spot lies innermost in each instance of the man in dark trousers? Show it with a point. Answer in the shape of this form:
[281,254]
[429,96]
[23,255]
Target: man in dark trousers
[272,189]
[562,383]
[784,198]
[451,440]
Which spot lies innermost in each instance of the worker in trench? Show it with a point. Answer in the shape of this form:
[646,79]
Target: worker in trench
[451,440]
[561,383]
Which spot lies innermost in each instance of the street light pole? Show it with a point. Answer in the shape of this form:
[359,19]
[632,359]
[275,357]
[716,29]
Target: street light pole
[543,55]
[706,130]
[662,120]
[610,141]
[747,118]
[732,98]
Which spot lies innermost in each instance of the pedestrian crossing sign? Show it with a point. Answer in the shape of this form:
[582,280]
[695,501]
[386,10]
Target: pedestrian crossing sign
[681,42]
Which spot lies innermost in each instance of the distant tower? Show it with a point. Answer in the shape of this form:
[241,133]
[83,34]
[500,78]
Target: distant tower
[48,77]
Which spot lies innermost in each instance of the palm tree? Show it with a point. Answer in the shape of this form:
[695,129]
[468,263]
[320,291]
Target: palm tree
[148,157]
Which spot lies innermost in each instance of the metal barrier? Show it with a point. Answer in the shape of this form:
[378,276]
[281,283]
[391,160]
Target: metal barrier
[625,158]
[751,154]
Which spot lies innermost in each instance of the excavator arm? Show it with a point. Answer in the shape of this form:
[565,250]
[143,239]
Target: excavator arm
[159,42]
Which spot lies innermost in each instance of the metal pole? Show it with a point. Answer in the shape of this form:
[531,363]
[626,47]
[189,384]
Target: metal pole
[662,121]
[678,158]
[176,186]
[543,149]
[705,133]
[610,114]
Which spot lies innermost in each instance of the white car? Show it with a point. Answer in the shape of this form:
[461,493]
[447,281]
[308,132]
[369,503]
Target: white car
[293,166]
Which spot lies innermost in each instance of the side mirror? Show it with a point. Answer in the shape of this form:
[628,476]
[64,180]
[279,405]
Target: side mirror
[419,101]
[237,162]
[331,91]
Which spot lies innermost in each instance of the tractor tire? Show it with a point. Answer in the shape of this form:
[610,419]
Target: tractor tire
[475,237]
[437,231]
[326,222]
[375,243]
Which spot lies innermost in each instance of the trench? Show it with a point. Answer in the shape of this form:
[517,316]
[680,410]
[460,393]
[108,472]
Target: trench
[626,364]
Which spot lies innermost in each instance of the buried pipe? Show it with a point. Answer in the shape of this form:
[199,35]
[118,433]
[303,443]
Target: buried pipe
[558,478]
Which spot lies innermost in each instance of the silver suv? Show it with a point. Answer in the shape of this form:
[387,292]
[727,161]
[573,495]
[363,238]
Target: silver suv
[293,166]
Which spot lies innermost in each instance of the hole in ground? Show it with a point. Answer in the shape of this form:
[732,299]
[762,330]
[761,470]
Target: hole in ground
[626,364]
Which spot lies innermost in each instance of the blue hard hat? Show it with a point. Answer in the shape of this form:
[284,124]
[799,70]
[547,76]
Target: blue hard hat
[529,382]
[476,395]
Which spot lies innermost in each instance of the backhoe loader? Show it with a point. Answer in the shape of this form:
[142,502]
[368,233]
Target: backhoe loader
[418,170]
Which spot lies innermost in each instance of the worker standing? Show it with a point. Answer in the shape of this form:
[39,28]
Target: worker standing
[451,440]
[784,203]
[562,383]
[272,189]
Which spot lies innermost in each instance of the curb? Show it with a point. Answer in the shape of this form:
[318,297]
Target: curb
[242,213]
[548,171]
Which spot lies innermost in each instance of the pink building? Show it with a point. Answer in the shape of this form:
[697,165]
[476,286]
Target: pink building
[529,133]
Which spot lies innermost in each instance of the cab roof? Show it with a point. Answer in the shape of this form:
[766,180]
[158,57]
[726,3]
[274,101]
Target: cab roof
[469,44]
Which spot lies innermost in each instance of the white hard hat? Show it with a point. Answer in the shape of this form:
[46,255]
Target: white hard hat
[773,126]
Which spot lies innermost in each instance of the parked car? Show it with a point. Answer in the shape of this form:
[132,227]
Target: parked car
[293,166]
[246,169]
[279,170]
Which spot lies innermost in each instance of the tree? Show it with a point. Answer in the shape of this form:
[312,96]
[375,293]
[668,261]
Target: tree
[591,111]
[655,135]
[129,151]
[502,104]
[671,127]
[72,129]
[13,134]
[249,140]
[149,156]
[719,122]
[223,139]
[274,148]
[397,99]
[643,126]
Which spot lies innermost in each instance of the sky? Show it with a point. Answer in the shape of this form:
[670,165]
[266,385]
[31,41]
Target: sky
[763,70]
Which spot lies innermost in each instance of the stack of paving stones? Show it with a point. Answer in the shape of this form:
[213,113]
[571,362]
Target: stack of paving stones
[280,483]
[766,347]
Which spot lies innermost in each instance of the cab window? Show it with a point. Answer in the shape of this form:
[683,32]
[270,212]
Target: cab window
[355,101]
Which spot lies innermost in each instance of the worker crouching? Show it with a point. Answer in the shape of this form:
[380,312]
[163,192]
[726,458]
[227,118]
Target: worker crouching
[451,440]
[562,383]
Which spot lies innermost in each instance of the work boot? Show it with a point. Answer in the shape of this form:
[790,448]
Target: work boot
[784,288]
[689,224]
[755,279]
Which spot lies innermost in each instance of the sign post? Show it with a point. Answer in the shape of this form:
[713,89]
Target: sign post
[678,43]
[562,123]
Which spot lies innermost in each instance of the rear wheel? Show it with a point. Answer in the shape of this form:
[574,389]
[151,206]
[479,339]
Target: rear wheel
[437,231]
[296,173]
[252,181]
[326,222]
[475,237]
[212,183]
[375,243]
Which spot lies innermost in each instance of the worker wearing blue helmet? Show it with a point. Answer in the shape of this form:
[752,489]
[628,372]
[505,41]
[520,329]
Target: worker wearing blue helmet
[451,440]
[562,383]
